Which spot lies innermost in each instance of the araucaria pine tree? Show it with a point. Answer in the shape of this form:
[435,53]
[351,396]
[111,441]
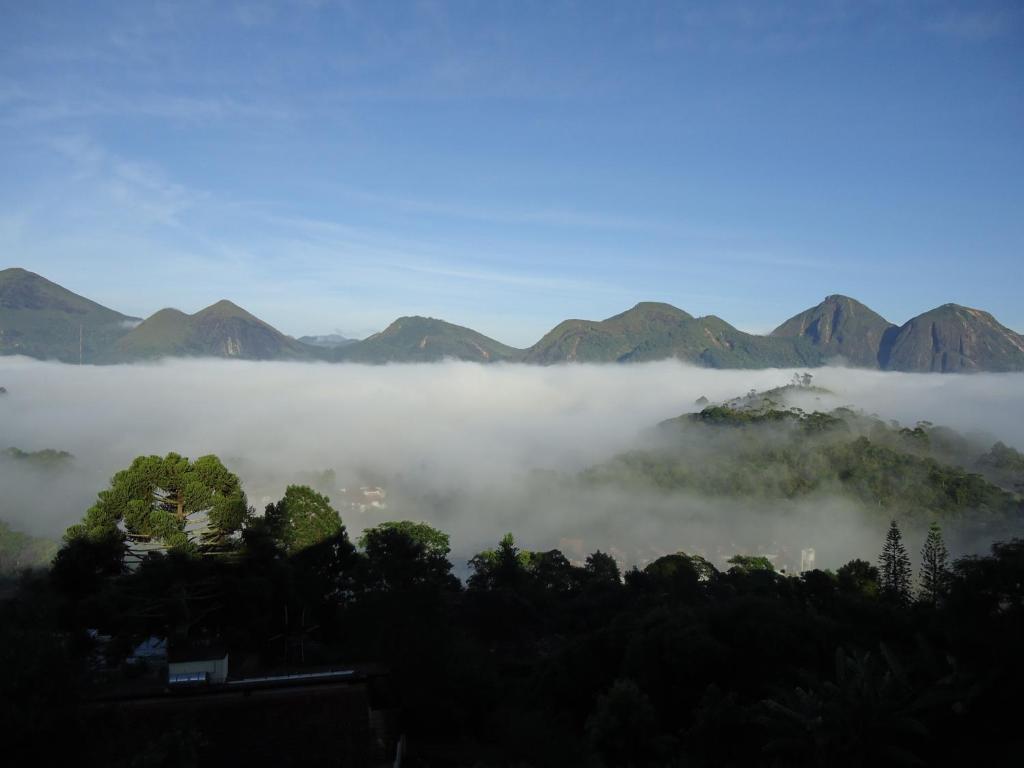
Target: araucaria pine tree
[934,566]
[894,566]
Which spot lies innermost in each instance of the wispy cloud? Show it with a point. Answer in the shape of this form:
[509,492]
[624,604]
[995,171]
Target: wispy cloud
[131,187]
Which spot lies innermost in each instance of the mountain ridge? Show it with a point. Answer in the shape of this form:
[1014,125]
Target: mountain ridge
[41,319]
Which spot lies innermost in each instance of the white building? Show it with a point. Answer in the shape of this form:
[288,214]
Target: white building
[807,560]
[211,667]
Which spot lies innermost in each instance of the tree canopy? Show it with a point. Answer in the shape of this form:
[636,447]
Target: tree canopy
[168,502]
[303,518]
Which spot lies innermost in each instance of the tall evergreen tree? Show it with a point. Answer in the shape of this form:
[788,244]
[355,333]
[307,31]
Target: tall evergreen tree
[934,566]
[894,566]
[168,502]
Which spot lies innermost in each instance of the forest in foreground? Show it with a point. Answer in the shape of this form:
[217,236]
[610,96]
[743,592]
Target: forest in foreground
[896,657]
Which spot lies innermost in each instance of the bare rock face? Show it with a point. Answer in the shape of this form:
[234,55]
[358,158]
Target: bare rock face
[953,338]
[840,327]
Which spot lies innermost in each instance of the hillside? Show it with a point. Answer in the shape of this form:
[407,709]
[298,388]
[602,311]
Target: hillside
[950,339]
[840,327]
[221,330]
[653,331]
[424,339]
[765,451]
[41,319]
[591,341]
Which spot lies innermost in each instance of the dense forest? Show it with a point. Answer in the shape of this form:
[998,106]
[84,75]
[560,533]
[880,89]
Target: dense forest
[534,660]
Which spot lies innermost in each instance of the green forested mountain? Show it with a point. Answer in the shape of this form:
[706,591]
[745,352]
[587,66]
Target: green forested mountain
[653,331]
[424,339]
[840,327]
[41,319]
[952,338]
[221,330]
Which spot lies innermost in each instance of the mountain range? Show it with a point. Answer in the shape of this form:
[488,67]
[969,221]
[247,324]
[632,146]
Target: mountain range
[41,319]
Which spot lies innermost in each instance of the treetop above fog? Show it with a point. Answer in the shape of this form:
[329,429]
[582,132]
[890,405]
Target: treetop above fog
[170,501]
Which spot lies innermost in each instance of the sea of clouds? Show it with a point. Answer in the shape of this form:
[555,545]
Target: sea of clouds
[478,450]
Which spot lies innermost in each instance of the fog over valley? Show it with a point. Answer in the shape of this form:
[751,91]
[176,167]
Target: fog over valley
[476,450]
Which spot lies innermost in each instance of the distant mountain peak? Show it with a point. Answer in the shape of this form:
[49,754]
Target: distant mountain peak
[840,326]
[414,338]
[42,319]
[953,338]
[654,307]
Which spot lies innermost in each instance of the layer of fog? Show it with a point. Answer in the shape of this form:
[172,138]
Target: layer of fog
[477,450]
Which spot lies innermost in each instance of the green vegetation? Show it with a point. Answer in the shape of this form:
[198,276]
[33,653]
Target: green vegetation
[651,331]
[221,330]
[303,519]
[19,550]
[170,502]
[894,567]
[767,452]
[840,327]
[537,661]
[41,319]
[952,338]
[422,340]
[47,458]
[934,566]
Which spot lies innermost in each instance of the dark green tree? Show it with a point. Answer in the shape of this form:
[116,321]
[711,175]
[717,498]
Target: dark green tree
[748,563]
[504,567]
[859,577]
[934,566]
[168,502]
[434,542]
[601,568]
[303,518]
[623,728]
[404,555]
[894,566]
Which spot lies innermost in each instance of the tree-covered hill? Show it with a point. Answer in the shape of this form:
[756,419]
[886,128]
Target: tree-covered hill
[653,331]
[771,452]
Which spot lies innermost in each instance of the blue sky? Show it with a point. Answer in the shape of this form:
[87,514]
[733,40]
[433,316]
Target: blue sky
[331,166]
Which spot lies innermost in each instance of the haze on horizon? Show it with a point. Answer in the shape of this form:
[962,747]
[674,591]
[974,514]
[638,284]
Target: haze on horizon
[332,166]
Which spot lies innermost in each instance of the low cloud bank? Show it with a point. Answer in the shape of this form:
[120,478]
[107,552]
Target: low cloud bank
[461,445]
